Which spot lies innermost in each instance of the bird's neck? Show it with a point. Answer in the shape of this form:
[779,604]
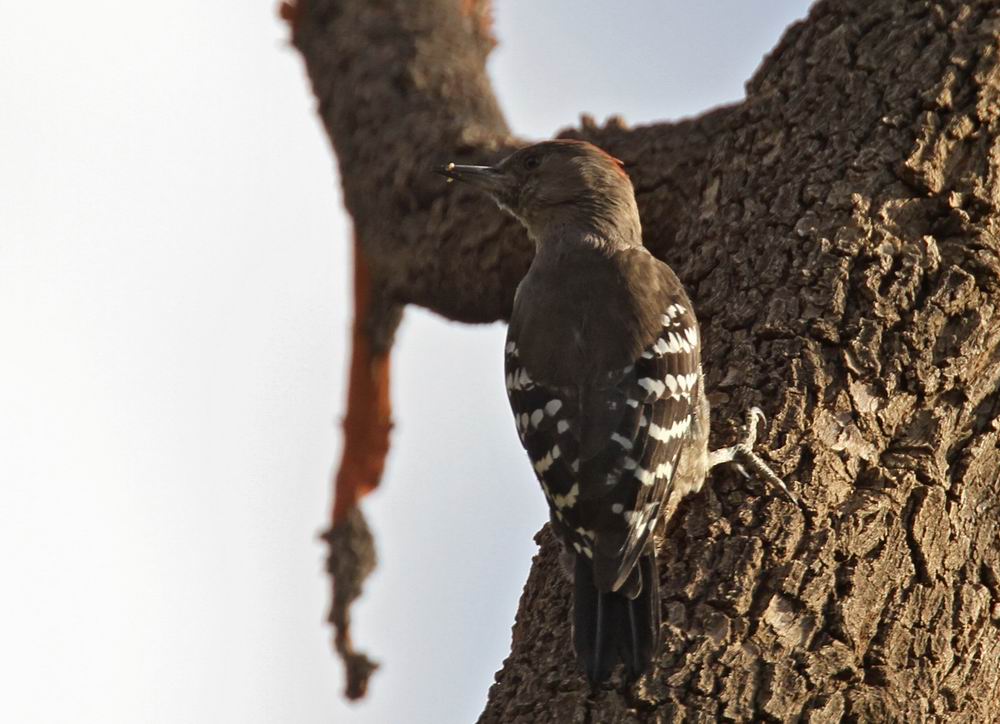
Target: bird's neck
[575,233]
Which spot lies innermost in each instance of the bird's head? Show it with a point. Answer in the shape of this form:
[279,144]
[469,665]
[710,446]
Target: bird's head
[561,189]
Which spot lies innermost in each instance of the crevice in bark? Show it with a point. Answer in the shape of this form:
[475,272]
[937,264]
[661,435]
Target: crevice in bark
[916,499]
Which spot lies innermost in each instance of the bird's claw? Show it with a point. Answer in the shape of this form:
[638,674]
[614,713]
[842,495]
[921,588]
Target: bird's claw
[743,455]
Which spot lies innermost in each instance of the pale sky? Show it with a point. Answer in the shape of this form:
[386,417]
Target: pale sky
[174,270]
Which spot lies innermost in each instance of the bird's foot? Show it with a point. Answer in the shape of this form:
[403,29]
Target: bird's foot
[743,455]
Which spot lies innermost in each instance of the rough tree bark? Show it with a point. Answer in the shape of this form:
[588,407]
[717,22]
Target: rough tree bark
[839,232]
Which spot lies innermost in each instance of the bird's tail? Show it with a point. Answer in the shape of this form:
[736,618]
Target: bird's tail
[613,625]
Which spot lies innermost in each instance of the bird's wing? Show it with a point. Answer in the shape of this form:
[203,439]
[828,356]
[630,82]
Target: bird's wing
[606,452]
[662,386]
[547,422]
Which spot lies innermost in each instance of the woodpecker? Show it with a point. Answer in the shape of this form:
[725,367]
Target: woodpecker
[603,372]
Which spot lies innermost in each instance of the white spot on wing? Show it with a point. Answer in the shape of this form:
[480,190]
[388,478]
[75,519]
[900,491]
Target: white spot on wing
[622,440]
[674,310]
[562,426]
[542,466]
[681,385]
[654,387]
[522,380]
[677,344]
[519,379]
[552,407]
[646,477]
[666,434]
[568,500]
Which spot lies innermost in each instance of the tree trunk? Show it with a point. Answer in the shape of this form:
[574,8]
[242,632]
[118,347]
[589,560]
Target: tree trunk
[839,234]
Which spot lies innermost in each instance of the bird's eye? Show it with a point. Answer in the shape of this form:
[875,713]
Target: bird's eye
[532,162]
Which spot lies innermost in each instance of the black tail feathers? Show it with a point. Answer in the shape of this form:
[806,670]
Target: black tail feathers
[616,625]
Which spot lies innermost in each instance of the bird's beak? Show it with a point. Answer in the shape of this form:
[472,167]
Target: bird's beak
[487,178]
